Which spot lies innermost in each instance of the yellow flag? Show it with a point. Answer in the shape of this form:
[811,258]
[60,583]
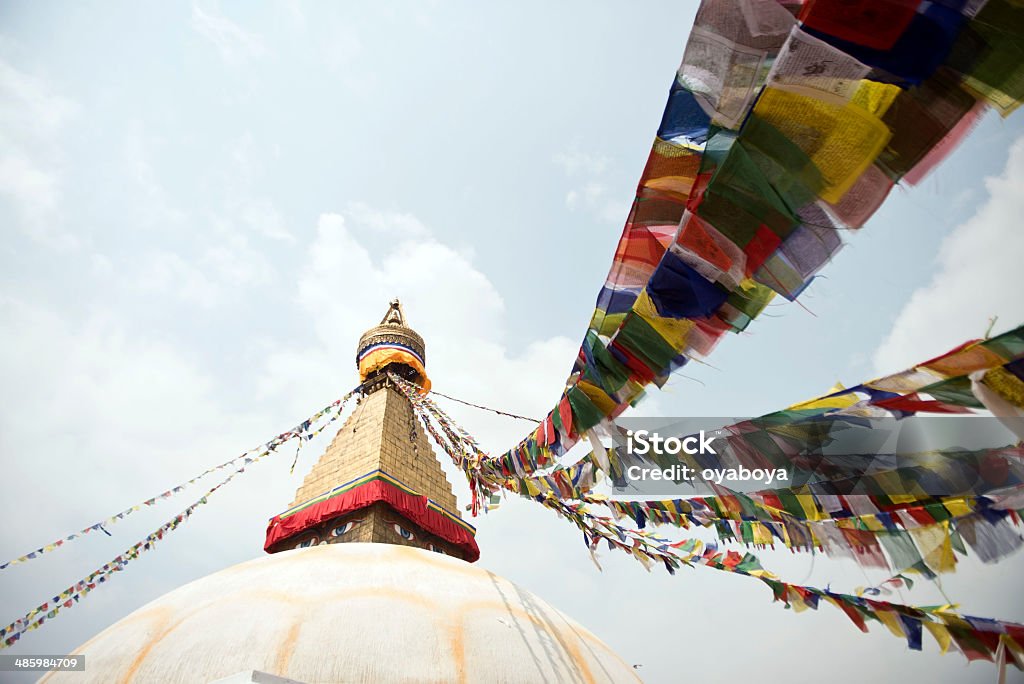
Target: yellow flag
[892,621]
[935,546]
[956,507]
[940,633]
[875,97]
[841,139]
[841,401]
[675,330]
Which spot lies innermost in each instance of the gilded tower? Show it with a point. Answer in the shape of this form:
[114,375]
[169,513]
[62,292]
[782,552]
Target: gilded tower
[379,480]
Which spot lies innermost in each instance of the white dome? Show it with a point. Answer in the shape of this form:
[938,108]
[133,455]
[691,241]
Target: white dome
[346,613]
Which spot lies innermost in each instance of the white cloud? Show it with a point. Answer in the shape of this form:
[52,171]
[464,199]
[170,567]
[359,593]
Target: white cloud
[345,289]
[426,274]
[978,276]
[233,260]
[575,161]
[236,45]
[32,118]
[255,212]
[149,204]
[103,394]
[225,268]
[591,194]
[34,188]
[263,217]
[594,198]
[213,257]
[31,108]
[163,272]
[388,223]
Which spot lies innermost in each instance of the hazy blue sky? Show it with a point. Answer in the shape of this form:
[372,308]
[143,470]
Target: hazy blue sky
[204,205]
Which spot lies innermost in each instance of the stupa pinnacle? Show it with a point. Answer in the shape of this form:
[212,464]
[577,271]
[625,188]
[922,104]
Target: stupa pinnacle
[379,480]
[395,346]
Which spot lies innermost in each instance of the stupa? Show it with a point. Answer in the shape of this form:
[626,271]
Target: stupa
[369,577]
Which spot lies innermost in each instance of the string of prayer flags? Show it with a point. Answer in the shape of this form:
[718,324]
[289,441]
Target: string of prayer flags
[919,538]
[456,442]
[975,637]
[303,432]
[929,538]
[873,527]
[48,610]
[785,124]
[940,385]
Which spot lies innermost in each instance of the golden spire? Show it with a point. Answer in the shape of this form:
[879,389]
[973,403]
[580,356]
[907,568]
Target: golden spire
[379,480]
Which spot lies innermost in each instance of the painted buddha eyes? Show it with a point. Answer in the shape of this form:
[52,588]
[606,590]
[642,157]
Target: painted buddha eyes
[341,529]
[306,543]
[403,533]
[344,528]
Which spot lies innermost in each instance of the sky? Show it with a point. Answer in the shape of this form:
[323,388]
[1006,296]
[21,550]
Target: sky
[204,205]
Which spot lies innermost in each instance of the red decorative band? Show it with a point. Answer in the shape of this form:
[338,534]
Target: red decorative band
[376,486]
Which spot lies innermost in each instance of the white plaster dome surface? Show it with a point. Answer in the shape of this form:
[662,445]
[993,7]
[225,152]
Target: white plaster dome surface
[349,613]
